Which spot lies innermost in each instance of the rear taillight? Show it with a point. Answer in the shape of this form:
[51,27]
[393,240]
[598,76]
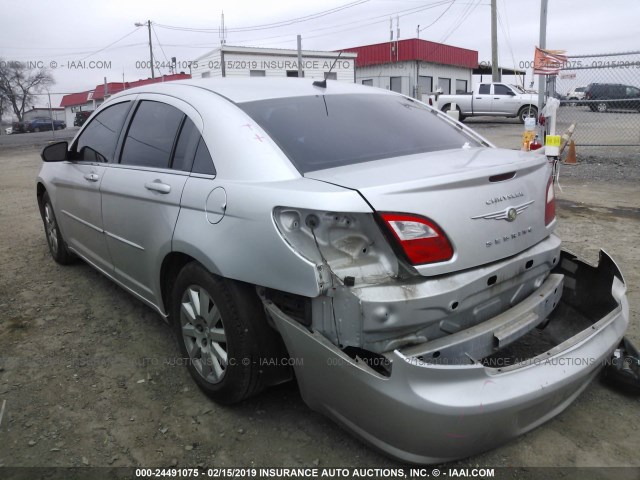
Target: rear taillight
[421,240]
[550,203]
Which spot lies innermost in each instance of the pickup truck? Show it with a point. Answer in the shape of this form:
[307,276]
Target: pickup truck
[494,99]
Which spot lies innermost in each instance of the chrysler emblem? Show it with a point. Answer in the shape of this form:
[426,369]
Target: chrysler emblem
[509,214]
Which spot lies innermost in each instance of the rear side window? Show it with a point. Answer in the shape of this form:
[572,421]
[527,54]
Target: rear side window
[485,89]
[325,131]
[97,143]
[151,135]
[186,146]
[203,163]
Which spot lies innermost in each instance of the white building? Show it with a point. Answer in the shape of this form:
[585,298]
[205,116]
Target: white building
[415,67]
[56,113]
[229,61]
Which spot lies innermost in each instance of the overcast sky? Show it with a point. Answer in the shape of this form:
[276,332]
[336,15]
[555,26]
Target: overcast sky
[63,31]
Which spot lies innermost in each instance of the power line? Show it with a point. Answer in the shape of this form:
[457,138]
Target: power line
[270,25]
[441,15]
[159,44]
[384,18]
[111,44]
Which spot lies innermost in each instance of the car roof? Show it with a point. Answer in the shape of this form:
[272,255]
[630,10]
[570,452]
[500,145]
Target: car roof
[248,89]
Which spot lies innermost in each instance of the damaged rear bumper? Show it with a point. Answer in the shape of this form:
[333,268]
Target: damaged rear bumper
[427,412]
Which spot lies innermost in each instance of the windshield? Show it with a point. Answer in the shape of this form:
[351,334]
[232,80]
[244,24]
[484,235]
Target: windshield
[326,131]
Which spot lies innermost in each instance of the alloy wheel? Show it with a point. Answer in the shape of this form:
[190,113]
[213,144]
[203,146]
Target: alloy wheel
[51,227]
[203,334]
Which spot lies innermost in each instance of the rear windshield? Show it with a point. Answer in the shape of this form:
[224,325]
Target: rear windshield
[326,131]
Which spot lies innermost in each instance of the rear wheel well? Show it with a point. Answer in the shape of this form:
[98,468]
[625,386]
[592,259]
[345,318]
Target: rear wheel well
[171,266]
[271,344]
[40,190]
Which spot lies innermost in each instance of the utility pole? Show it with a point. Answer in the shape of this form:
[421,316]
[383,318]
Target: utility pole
[148,24]
[300,72]
[495,72]
[543,44]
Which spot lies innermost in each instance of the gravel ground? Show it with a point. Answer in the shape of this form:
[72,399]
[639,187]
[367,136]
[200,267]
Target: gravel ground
[89,377]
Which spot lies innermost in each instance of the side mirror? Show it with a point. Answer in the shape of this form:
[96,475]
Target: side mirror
[56,152]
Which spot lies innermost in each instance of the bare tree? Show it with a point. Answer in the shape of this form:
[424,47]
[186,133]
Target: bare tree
[19,84]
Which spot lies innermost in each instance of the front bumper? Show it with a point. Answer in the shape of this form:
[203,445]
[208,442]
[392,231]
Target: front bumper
[429,413]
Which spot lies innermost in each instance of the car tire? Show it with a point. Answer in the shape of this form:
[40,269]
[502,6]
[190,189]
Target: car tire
[221,329]
[57,246]
[602,107]
[460,116]
[36,129]
[526,112]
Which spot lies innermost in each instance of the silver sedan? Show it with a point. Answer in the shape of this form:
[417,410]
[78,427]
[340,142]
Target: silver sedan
[401,267]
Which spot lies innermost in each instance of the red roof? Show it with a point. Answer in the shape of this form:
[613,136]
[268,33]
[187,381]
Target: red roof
[164,78]
[414,49]
[112,88]
[75,99]
[115,87]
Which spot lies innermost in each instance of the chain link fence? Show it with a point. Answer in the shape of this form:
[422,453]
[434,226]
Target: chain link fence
[601,95]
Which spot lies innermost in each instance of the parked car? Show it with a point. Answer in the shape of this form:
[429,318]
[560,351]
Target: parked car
[406,268]
[41,124]
[602,97]
[493,99]
[81,117]
[17,127]
[574,96]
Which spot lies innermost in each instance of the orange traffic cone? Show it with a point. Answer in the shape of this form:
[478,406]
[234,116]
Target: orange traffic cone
[571,154]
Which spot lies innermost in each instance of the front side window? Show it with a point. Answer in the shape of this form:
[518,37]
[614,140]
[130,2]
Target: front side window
[97,143]
[633,92]
[501,90]
[151,135]
[325,131]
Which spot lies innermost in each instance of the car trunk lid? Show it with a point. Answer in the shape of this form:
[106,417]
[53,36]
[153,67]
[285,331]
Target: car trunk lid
[489,202]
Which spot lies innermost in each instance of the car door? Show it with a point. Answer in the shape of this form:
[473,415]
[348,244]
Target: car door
[141,192]
[504,100]
[482,100]
[77,189]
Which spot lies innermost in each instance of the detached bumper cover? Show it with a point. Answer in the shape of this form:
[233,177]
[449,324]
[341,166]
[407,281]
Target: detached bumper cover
[429,413]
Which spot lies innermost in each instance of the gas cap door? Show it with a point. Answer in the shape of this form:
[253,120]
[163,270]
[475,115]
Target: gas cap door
[216,205]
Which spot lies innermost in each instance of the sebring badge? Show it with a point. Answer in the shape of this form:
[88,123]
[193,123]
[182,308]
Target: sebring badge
[509,214]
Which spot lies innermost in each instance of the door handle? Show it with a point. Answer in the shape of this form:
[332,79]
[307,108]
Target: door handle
[92,177]
[158,186]
[496,98]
